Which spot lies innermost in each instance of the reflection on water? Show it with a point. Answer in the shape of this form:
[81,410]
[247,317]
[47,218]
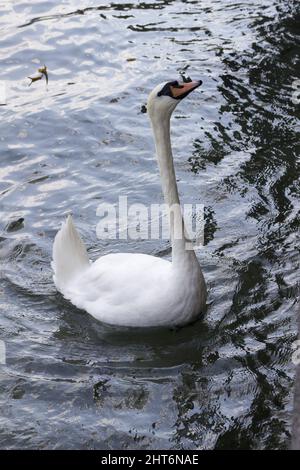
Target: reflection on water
[225,381]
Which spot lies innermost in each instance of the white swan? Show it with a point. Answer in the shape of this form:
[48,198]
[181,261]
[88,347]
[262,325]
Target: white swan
[135,289]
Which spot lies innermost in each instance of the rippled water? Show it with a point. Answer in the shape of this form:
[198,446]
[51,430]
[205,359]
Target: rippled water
[227,380]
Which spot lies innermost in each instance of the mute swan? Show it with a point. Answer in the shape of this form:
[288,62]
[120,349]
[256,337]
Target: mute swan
[138,290]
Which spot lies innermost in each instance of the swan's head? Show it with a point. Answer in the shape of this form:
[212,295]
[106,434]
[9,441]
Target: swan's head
[165,97]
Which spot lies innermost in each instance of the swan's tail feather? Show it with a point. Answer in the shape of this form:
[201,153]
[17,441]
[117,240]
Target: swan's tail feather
[69,255]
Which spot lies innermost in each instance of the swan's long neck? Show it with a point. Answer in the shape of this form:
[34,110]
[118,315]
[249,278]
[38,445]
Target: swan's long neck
[179,238]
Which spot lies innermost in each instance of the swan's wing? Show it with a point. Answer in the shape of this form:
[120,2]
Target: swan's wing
[123,288]
[122,275]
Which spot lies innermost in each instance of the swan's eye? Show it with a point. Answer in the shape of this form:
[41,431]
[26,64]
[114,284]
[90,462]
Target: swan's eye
[176,85]
[165,91]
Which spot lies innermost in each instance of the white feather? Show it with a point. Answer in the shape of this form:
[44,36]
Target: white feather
[70,257]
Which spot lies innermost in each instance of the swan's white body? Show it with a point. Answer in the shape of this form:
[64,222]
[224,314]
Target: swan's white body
[136,289]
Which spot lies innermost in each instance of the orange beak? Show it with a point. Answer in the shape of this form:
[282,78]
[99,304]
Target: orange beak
[185,89]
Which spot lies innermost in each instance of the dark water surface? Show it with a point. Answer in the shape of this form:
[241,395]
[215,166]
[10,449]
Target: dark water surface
[225,381]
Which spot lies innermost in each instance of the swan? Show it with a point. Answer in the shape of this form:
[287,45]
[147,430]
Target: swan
[133,289]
